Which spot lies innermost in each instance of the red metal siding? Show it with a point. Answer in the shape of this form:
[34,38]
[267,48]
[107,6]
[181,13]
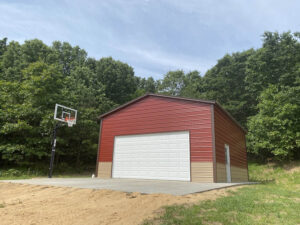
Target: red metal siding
[227,132]
[156,114]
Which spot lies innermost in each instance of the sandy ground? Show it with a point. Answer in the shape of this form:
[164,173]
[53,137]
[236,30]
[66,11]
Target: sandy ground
[38,205]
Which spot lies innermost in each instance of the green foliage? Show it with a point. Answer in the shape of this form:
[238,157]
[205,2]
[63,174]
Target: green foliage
[144,86]
[273,202]
[3,46]
[148,85]
[118,79]
[275,130]
[260,88]
[177,83]
[237,82]
[41,170]
[20,173]
[225,83]
[26,112]
[33,77]
[277,63]
[278,173]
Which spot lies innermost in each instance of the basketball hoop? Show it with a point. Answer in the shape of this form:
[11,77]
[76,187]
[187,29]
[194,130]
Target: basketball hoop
[70,121]
[65,114]
[62,114]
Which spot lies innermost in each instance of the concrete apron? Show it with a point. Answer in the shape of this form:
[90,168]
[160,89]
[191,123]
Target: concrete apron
[130,185]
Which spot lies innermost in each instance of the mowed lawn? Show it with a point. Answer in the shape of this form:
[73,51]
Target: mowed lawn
[276,200]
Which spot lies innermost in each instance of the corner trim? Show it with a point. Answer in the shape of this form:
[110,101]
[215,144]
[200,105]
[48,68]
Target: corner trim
[113,157]
[213,142]
[98,150]
[246,157]
[191,178]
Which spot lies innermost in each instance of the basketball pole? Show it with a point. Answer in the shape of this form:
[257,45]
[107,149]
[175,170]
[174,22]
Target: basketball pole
[53,150]
[68,116]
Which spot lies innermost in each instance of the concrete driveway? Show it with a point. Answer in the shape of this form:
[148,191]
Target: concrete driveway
[129,185]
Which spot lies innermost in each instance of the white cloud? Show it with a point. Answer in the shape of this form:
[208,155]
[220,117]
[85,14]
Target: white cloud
[165,60]
[152,36]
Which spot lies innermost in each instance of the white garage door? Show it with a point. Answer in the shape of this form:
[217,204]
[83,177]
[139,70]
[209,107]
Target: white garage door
[164,156]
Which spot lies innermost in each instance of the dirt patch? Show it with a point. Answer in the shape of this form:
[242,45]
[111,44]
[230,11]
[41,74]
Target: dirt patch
[32,204]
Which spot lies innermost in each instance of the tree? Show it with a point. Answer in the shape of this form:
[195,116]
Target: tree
[259,86]
[144,86]
[277,62]
[118,79]
[11,62]
[3,44]
[275,130]
[33,51]
[149,85]
[177,83]
[33,77]
[172,83]
[192,85]
[67,57]
[88,97]
[26,112]
[225,83]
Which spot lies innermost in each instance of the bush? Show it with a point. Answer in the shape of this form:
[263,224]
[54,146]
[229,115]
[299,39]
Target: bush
[275,131]
[20,173]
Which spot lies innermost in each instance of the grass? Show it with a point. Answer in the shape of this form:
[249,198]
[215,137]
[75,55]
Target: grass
[23,173]
[276,200]
[19,173]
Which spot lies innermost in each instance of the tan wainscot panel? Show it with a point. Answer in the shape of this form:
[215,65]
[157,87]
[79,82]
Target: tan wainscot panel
[239,174]
[202,172]
[104,169]
[221,173]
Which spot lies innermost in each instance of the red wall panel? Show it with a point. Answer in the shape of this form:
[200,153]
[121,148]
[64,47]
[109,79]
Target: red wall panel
[154,114]
[228,132]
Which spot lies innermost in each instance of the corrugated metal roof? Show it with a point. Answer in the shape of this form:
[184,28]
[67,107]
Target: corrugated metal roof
[170,97]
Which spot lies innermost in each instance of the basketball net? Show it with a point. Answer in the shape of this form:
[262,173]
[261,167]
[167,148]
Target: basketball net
[70,121]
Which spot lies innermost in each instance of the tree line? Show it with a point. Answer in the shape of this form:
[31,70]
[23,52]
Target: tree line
[259,87]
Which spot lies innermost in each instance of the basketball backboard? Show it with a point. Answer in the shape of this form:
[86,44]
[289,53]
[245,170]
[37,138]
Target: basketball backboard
[65,114]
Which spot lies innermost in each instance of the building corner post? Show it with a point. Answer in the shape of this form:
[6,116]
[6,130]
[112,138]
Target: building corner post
[213,143]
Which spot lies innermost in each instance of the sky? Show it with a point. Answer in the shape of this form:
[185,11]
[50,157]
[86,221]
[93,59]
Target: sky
[152,36]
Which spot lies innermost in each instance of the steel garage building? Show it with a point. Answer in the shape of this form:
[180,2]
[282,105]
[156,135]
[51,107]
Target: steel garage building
[171,138]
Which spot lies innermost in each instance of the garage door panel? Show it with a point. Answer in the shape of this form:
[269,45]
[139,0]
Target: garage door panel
[158,171]
[153,174]
[155,154]
[152,156]
[156,167]
[146,146]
